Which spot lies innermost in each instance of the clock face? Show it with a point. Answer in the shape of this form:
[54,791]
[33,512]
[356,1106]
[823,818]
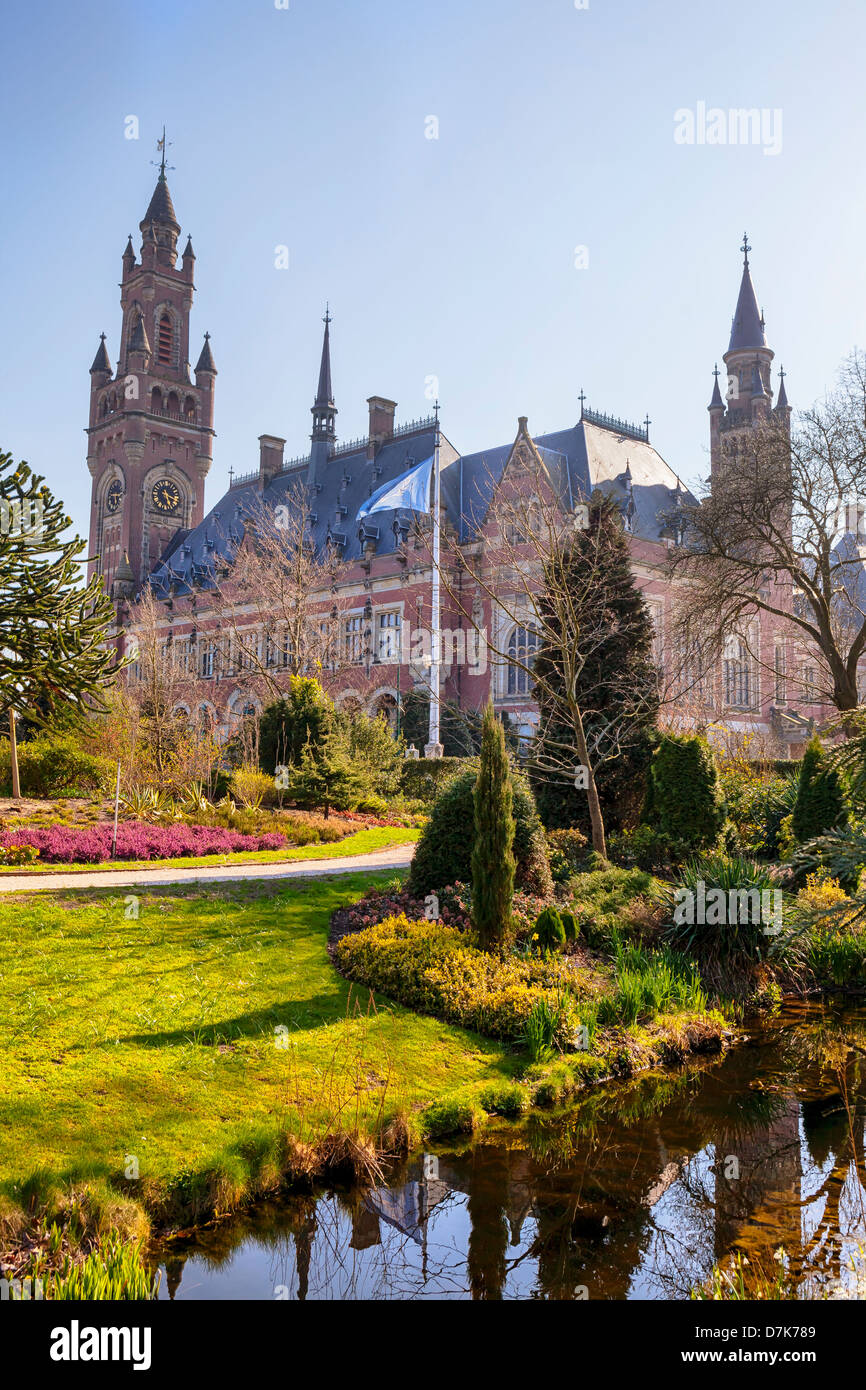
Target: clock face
[165,496]
[114,495]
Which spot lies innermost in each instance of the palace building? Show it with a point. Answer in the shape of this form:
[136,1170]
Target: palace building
[150,449]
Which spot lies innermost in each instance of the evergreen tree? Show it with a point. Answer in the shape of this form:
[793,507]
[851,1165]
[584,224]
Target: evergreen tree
[493,862]
[54,647]
[616,688]
[684,800]
[820,804]
[289,725]
[324,777]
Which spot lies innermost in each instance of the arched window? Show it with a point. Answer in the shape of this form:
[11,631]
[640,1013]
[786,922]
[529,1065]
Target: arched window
[156,400]
[386,708]
[522,646]
[172,404]
[165,339]
[189,409]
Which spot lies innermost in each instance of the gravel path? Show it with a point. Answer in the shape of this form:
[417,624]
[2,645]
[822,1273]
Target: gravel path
[397,857]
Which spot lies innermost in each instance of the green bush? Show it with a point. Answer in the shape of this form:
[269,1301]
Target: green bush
[685,801]
[53,764]
[444,851]
[645,848]
[567,853]
[820,805]
[252,787]
[288,726]
[550,932]
[446,1117]
[505,1098]
[438,970]
[739,926]
[422,779]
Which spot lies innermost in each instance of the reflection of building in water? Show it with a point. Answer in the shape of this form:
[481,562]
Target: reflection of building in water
[406,1208]
[765,1196]
[365,1228]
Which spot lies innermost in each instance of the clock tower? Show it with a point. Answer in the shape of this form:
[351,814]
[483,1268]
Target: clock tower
[150,436]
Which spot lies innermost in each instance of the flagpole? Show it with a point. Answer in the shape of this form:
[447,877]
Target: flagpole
[434,748]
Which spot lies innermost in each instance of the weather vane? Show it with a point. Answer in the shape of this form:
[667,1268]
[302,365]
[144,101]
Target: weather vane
[746,248]
[162,146]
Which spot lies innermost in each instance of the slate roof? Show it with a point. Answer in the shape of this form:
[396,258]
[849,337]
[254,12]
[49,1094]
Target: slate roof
[585,457]
[160,208]
[747,329]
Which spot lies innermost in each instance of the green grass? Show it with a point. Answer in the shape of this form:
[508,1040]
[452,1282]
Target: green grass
[155,1038]
[361,842]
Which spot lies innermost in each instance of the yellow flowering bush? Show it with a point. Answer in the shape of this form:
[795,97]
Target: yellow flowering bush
[439,970]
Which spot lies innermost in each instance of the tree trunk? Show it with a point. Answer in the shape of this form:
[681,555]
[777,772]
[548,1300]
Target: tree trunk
[13,754]
[599,843]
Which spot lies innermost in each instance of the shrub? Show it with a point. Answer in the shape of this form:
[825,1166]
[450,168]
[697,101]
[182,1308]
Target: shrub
[645,848]
[505,1098]
[52,764]
[493,841]
[686,801]
[444,851]
[374,753]
[567,851]
[18,854]
[446,1117]
[738,897]
[422,779]
[288,725]
[651,983]
[66,845]
[435,969]
[550,930]
[820,804]
[252,787]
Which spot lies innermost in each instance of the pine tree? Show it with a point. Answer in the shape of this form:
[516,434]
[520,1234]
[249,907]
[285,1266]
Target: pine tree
[324,777]
[820,804]
[54,646]
[288,725]
[616,689]
[493,861]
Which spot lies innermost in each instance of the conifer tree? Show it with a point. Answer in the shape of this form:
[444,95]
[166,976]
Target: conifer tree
[54,646]
[616,685]
[820,804]
[493,862]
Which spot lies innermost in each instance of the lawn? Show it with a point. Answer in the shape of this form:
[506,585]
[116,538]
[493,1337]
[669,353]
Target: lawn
[154,1037]
[361,842]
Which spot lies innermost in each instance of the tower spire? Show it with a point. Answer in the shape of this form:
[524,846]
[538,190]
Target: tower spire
[747,329]
[324,393]
[324,411]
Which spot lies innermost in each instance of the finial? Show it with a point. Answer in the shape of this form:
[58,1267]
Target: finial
[646,424]
[782,372]
[327,319]
[716,371]
[745,248]
[231,471]
[162,146]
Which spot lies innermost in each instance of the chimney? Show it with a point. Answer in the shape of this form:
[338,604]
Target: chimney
[270,457]
[381,422]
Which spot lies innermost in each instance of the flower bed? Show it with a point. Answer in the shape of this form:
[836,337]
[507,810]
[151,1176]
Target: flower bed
[62,844]
[437,969]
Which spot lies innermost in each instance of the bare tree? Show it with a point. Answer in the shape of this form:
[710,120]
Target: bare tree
[521,565]
[765,538]
[278,602]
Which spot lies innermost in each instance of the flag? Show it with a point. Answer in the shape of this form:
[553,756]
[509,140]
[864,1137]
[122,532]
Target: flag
[410,491]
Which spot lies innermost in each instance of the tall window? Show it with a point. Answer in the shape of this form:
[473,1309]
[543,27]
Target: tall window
[780,681]
[207,660]
[522,646]
[165,339]
[738,674]
[388,648]
[353,639]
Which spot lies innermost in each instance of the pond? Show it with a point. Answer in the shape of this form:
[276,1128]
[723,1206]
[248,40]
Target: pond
[634,1193]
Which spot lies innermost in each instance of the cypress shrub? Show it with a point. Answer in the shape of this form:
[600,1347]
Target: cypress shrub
[686,802]
[493,846]
[550,930]
[820,803]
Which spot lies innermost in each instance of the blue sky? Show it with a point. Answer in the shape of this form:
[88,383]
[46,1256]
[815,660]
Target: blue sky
[452,257]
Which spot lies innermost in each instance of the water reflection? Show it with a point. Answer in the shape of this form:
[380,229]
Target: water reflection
[634,1194]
